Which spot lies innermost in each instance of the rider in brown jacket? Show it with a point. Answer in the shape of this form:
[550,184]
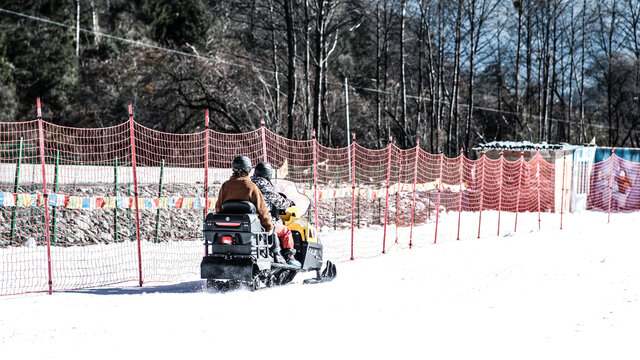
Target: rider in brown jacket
[240,187]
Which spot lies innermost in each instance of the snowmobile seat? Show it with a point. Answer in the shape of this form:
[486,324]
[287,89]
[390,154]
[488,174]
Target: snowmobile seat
[238,207]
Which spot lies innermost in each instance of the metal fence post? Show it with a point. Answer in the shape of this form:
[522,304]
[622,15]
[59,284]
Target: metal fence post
[460,195]
[45,195]
[413,198]
[500,190]
[435,235]
[386,199]
[315,178]
[135,190]
[515,226]
[15,190]
[353,186]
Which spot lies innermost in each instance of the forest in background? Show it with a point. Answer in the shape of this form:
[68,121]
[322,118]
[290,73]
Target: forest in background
[451,73]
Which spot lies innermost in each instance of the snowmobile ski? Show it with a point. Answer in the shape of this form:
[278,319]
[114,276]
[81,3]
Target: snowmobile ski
[328,274]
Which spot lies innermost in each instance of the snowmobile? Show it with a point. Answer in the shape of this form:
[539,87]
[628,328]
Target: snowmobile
[238,250]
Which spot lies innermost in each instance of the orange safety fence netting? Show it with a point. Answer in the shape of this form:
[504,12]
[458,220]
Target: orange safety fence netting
[111,222]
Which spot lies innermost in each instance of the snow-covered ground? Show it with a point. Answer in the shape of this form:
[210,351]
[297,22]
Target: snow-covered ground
[548,294]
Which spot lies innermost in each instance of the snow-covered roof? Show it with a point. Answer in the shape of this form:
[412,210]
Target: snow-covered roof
[526,145]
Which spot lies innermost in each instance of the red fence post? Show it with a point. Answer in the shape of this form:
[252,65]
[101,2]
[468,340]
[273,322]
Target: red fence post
[538,157]
[460,196]
[206,161]
[610,186]
[45,195]
[481,193]
[519,190]
[386,199]
[500,190]
[206,170]
[397,189]
[353,187]
[564,159]
[435,236]
[413,200]
[135,190]
[264,142]
[315,179]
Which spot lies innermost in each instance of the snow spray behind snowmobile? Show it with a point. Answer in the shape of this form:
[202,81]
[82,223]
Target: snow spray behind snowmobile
[238,250]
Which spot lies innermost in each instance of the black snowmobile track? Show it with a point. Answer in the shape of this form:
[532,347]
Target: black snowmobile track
[285,266]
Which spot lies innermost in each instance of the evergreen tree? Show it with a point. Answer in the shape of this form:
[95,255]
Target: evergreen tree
[177,21]
[8,101]
[43,57]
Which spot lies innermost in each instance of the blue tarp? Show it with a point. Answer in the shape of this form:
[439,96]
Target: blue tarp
[627,154]
[600,195]
[605,192]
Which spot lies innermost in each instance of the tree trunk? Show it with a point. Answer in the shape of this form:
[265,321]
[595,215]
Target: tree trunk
[317,86]
[307,91]
[499,79]
[385,48]
[402,76]
[96,24]
[378,57]
[432,92]
[453,107]
[472,24]
[421,34]
[528,87]
[546,74]
[328,140]
[516,75]
[78,29]
[276,107]
[291,65]
[583,131]
[572,48]
[612,135]
[552,88]
[440,76]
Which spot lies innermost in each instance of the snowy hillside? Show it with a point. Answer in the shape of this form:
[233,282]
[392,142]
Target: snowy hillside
[548,294]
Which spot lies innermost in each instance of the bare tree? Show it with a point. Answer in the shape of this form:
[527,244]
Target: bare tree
[276,72]
[453,126]
[326,38]
[378,89]
[631,26]
[403,84]
[288,6]
[478,11]
[516,75]
[607,27]
[307,86]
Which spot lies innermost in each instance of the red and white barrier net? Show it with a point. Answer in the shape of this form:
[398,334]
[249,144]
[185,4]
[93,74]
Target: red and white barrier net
[613,186]
[89,207]
[23,263]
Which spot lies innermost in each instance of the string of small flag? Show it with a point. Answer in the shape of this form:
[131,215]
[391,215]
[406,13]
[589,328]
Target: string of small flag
[369,193]
[177,202]
[109,202]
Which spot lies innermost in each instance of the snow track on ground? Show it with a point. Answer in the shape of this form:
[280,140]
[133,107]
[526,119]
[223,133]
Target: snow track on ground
[530,294]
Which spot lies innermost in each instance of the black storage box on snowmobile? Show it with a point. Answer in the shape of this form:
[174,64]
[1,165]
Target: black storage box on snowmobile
[234,240]
[236,221]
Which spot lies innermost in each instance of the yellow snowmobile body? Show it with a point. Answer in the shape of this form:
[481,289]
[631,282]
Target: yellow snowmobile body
[299,225]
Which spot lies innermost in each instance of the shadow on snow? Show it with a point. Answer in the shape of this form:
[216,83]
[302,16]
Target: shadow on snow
[180,288]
